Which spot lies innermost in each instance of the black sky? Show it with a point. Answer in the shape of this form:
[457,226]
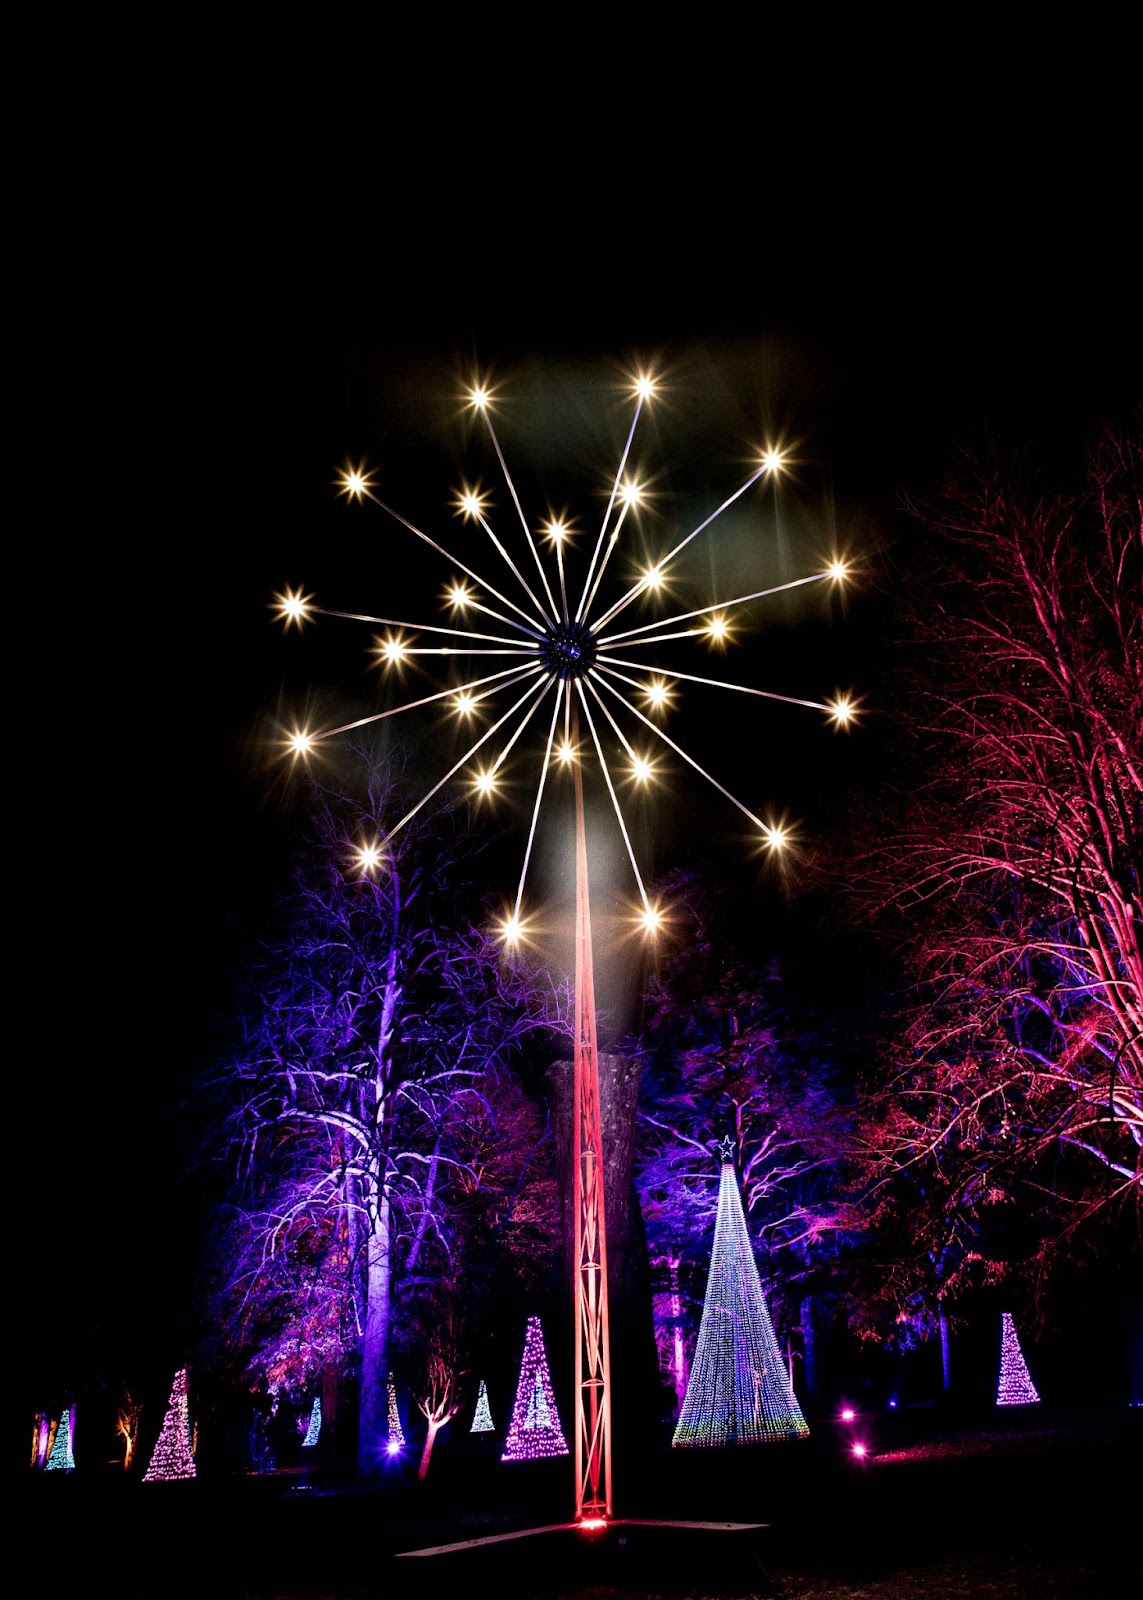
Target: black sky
[190,423]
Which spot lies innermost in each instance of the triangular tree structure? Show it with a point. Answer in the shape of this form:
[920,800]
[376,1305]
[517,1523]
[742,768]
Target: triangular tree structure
[535,1426]
[739,1390]
[172,1457]
[396,1436]
[60,1457]
[313,1431]
[482,1420]
[1015,1386]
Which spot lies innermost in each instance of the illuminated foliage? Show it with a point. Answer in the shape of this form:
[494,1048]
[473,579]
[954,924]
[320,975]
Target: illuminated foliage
[1003,865]
[371,1123]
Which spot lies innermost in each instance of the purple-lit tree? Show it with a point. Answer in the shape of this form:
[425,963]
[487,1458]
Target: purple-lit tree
[1006,869]
[371,1124]
[733,1048]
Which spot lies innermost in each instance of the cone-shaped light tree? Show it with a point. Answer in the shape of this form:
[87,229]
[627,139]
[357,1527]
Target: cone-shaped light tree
[739,1390]
[60,1457]
[535,1426]
[396,1432]
[482,1418]
[172,1457]
[1015,1386]
[313,1428]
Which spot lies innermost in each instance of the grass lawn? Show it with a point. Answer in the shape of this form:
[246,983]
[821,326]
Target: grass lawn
[1025,1504]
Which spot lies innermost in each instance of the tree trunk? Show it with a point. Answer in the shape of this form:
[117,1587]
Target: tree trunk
[944,1323]
[373,1421]
[426,1453]
[809,1351]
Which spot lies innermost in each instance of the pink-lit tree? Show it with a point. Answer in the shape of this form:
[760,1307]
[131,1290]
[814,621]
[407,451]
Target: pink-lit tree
[128,1416]
[438,1400]
[1005,866]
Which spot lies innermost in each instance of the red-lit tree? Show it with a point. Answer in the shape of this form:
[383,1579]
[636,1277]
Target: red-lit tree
[370,1124]
[1007,869]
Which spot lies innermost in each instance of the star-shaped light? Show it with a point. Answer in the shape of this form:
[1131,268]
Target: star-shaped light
[534,642]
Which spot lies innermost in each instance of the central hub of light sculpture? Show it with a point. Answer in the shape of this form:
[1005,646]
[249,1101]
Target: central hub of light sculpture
[573,652]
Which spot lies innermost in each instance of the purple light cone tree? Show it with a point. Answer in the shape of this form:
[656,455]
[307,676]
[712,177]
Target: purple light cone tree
[1015,1386]
[172,1457]
[535,1429]
[739,1390]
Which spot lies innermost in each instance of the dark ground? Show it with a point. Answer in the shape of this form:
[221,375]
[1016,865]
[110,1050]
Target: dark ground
[1028,1504]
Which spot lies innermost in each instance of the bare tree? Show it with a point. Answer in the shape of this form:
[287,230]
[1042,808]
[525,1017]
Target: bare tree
[368,1099]
[1007,869]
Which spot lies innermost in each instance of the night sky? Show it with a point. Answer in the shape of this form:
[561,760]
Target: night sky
[192,427]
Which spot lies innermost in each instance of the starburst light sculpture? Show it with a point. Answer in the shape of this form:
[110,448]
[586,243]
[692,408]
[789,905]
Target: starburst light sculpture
[575,653]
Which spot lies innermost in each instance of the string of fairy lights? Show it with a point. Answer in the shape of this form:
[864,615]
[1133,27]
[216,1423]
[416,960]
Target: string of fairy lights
[739,1390]
[572,655]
